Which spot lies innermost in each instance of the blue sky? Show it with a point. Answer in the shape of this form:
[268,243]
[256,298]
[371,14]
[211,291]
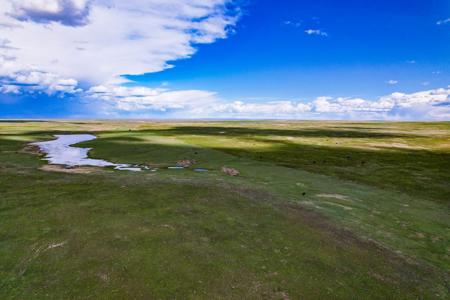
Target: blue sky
[299,59]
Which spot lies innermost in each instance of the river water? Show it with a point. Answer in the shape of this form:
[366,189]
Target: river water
[61,152]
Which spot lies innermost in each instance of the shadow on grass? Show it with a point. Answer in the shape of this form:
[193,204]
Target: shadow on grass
[416,172]
[143,232]
[413,171]
[242,131]
[22,121]
[397,170]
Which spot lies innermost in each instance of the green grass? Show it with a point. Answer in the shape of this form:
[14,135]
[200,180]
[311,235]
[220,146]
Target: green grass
[307,219]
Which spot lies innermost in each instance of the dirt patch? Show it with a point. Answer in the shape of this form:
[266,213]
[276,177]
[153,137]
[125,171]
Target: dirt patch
[396,146]
[339,205]
[58,245]
[104,277]
[230,171]
[31,149]
[334,196]
[76,170]
[186,163]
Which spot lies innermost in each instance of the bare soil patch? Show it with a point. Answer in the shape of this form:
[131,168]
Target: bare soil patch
[333,196]
[186,163]
[396,146]
[75,170]
[230,171]
[32,149]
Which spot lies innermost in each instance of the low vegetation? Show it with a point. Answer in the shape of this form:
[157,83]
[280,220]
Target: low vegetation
[319,210]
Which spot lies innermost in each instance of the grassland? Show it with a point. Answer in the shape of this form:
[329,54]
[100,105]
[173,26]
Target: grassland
[321,210]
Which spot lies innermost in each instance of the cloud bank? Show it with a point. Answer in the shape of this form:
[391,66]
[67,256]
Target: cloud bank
[144,99]
[424,105]
[97,41]
[143,102]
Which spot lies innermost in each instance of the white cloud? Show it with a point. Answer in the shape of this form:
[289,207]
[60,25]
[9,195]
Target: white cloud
[442,22]
[96,41]
[20,81]
[293,23]
[67,12]
[316,32]
[239,109]
[392,82]
[432,104]
[137,101]
[9,89]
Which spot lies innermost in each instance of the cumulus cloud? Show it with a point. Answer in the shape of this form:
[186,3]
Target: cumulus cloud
[240,109]
[10,89]
[14,80]
[425,105]
[432,104]
[141,99]
[97,41]
[66,12]
[316,32]
[392,82]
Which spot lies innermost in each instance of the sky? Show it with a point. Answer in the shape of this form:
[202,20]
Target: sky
[225,59]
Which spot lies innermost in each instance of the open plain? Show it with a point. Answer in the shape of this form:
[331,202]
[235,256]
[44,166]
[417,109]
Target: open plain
[348,210]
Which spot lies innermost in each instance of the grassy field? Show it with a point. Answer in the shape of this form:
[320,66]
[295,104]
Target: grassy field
[321,210]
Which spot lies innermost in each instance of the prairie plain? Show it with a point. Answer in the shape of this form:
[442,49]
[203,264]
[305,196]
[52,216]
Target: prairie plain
[319,210]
